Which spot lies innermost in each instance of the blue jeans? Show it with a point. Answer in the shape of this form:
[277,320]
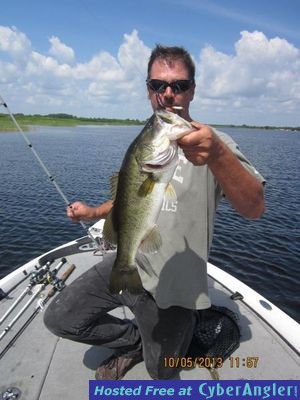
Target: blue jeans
[80,313]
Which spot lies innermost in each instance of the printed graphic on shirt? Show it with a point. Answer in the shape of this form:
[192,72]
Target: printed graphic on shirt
[178,177]
[171,205]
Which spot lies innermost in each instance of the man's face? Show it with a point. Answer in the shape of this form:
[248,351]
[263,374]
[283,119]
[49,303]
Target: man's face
[170,72]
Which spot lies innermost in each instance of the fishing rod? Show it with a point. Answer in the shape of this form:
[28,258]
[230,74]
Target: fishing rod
[43,166]
[36,277]
[24,308]
[40,306]
[4,294]
[49,278]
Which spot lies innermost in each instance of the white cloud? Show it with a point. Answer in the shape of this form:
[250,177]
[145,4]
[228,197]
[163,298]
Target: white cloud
[14,43]
[60,51]
[133,55]
[103,67]
[262,75]
[100,87]
[8,72]
[259,83]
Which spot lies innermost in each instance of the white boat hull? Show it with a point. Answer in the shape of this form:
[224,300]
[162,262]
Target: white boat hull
[40,364]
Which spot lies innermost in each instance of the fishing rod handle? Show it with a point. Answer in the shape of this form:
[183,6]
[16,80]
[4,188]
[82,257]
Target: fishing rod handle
[64,277]
[67,273]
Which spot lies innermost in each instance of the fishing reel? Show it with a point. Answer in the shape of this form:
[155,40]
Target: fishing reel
[38,276]
[57,283]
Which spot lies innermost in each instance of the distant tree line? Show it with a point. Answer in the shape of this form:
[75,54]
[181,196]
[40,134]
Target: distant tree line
[285,128]
[72,119]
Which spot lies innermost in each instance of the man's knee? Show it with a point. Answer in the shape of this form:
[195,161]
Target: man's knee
[57,320]
[53,321]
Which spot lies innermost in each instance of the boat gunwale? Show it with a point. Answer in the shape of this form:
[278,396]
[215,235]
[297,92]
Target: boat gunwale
[285,326]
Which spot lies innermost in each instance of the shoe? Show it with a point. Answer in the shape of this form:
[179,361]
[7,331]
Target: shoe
[115,367]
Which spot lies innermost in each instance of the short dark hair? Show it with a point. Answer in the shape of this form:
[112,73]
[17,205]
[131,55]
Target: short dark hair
[171,54]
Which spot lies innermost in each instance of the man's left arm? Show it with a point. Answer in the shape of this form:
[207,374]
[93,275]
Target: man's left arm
[243,190]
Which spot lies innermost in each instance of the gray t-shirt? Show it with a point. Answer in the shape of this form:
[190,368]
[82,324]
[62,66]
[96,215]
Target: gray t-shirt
[177,273]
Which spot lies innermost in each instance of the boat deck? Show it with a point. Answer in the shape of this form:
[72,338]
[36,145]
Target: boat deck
[45,367]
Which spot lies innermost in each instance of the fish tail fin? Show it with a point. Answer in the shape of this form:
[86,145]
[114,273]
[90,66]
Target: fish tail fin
[125,278]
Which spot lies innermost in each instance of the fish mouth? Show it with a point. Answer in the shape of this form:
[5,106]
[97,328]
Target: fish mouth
[169,116]
[165,115]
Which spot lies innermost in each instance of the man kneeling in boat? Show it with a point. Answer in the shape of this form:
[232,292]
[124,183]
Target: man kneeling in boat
[174,278]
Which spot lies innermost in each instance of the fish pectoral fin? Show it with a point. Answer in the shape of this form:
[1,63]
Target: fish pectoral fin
[146,187]
[151,242]
[109,232]
[170,193]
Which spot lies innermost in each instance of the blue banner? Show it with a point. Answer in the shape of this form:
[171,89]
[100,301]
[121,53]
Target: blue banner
[194,390]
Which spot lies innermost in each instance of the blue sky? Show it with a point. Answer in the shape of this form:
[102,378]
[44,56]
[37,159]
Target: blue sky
[89,57]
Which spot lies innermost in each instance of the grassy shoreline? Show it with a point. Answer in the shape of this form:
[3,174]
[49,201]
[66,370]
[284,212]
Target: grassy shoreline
[25,121]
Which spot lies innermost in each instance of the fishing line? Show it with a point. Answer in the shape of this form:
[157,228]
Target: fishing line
[43,166]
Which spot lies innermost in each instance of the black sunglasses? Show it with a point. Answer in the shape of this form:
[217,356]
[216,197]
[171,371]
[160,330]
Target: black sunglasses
[179,86]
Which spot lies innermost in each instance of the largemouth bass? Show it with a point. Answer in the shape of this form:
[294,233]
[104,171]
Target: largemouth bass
[138,192]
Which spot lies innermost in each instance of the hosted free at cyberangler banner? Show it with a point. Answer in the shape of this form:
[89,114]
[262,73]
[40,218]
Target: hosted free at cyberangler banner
[206,390]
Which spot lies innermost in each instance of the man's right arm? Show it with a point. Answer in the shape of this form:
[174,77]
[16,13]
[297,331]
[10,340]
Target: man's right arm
[79,211]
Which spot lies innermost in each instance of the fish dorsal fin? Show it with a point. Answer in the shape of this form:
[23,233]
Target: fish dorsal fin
[170,193]
[146,187]
[152,241]
[109,232]
[114,185]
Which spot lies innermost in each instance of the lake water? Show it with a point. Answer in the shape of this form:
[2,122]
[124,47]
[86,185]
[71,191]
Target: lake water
[263,253]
